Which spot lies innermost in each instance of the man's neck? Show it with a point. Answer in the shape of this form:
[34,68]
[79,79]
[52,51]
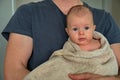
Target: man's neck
[65,5]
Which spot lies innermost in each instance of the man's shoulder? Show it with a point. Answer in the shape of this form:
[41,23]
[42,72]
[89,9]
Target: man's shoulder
[35,5]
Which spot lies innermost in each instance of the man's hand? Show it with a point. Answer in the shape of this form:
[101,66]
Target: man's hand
[90,76]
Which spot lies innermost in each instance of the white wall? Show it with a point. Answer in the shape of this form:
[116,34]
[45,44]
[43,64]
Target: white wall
[5,14]
[116,10]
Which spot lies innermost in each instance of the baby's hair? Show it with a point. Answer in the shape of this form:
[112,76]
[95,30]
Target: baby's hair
[79,10]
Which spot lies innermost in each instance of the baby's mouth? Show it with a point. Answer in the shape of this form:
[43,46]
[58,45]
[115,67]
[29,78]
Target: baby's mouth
[82,39]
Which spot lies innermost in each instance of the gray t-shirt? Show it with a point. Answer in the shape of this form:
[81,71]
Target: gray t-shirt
[45,24]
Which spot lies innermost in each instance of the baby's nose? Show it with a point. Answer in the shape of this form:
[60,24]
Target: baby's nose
[81,32]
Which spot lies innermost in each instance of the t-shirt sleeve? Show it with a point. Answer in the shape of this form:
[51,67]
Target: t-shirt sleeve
[20,22]
[112,30]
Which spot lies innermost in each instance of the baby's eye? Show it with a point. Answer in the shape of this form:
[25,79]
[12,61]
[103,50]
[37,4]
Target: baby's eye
[75,29]
[86,28]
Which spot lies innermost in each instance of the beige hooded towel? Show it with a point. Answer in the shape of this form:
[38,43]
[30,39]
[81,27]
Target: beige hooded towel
[71,59]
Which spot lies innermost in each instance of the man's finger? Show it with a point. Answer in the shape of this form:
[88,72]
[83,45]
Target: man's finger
[82,76]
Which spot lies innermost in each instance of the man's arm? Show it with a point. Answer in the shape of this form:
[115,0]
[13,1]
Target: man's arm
[91,76]
[116,49]
[18,52]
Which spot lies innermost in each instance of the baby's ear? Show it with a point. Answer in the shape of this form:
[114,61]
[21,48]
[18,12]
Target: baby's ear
[94,27]
[66,29]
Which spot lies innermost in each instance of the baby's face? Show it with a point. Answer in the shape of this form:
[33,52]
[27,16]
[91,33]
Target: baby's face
[80,29]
